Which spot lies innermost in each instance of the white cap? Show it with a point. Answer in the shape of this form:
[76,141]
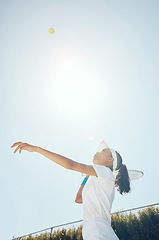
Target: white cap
[103,145]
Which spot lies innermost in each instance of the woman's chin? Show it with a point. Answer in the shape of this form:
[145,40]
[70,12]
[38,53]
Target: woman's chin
[94,161]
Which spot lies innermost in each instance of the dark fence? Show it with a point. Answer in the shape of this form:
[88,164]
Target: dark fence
[57,226]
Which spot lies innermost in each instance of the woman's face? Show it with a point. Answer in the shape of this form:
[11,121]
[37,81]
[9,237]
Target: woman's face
[104,158]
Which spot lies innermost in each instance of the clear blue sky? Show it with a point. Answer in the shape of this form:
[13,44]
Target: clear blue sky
[95,79]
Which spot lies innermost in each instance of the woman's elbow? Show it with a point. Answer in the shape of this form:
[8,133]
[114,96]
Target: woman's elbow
[79,201]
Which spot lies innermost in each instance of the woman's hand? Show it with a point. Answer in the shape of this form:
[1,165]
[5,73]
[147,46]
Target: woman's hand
[23,146]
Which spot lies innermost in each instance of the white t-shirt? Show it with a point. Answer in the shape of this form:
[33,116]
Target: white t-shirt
[98,194]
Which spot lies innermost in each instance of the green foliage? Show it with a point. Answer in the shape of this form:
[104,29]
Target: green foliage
[71,234]
[143,225]
[149,223]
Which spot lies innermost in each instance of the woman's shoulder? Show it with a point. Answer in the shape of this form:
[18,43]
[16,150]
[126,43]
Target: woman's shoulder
[103,171]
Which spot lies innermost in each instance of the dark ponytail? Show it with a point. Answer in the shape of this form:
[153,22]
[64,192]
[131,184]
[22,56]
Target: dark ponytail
[122,180]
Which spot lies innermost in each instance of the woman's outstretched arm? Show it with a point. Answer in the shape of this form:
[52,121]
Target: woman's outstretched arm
[57,158]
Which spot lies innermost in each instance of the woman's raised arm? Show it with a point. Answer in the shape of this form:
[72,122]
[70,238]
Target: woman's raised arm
[57,158]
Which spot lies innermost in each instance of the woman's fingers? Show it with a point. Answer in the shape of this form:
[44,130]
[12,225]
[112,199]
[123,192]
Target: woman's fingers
[21,145]
[15,144]
[16,149]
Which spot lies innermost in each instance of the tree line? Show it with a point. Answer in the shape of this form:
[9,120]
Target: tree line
[142,225]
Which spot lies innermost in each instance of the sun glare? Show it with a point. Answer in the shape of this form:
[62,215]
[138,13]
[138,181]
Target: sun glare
[75,85]
[66,63]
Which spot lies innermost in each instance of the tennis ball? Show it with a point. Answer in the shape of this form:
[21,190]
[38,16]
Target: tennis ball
[51,31]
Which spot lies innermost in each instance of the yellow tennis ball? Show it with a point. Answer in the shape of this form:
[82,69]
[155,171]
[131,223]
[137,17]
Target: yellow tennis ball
[51,31]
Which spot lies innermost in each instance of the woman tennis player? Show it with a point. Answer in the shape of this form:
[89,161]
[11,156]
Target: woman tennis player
[98,188]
